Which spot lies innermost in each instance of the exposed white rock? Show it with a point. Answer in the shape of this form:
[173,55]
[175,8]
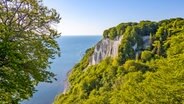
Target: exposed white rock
[105,48]
[109,48]
[135,46]
[146,41]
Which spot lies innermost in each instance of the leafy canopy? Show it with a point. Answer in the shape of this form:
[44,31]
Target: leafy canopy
[155,76]
[27,41]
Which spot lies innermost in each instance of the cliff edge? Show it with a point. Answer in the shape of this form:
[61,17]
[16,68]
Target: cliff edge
[134,63]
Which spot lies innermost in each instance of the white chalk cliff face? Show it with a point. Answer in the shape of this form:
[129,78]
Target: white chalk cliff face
[146,41]
[109,48]
[105,48]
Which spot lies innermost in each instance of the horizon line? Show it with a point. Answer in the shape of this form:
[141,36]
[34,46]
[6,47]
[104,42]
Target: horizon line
[81,35]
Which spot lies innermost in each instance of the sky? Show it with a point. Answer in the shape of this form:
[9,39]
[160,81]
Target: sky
[92,17]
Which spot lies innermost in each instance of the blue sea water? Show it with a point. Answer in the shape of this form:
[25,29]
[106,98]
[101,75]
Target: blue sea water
[72,50]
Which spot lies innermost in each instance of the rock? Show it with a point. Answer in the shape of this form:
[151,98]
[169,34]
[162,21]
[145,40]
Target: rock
[146,41]
[105,48]
[109,48]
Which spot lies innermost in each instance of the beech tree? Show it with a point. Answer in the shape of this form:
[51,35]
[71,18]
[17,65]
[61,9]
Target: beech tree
[27,42]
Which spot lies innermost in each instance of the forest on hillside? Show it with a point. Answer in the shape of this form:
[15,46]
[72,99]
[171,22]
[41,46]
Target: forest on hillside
[153,76]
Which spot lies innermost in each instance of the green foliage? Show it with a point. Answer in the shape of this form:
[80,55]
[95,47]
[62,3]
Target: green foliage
[106,34]
[156,77]
[119,30]
[112,33]
[27,41]
[78,68]
[147,27]
[132,36]
[162,86]
[122,27]
[146,55]
[176,43]
[133,66]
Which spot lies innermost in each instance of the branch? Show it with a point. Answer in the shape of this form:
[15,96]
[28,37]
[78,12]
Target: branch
[17,8]
[7,10]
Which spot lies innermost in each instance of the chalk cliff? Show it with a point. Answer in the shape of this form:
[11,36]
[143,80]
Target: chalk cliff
[109,48]
[140,55]
[105,48]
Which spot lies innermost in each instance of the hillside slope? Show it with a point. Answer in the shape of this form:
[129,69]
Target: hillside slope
[148,66]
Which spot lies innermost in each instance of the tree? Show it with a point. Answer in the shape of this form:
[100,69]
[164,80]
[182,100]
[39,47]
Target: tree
[105,33]
[27,41]
[157,47]
[146,55]
[151,79]
[113,33]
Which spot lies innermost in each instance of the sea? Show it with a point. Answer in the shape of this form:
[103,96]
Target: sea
[72,50]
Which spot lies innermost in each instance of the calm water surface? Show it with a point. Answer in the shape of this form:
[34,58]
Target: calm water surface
[72,50]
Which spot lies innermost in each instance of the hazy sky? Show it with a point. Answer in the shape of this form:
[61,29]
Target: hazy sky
[92,17]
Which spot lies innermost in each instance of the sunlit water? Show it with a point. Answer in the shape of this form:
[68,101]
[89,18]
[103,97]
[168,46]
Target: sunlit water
[72,50]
